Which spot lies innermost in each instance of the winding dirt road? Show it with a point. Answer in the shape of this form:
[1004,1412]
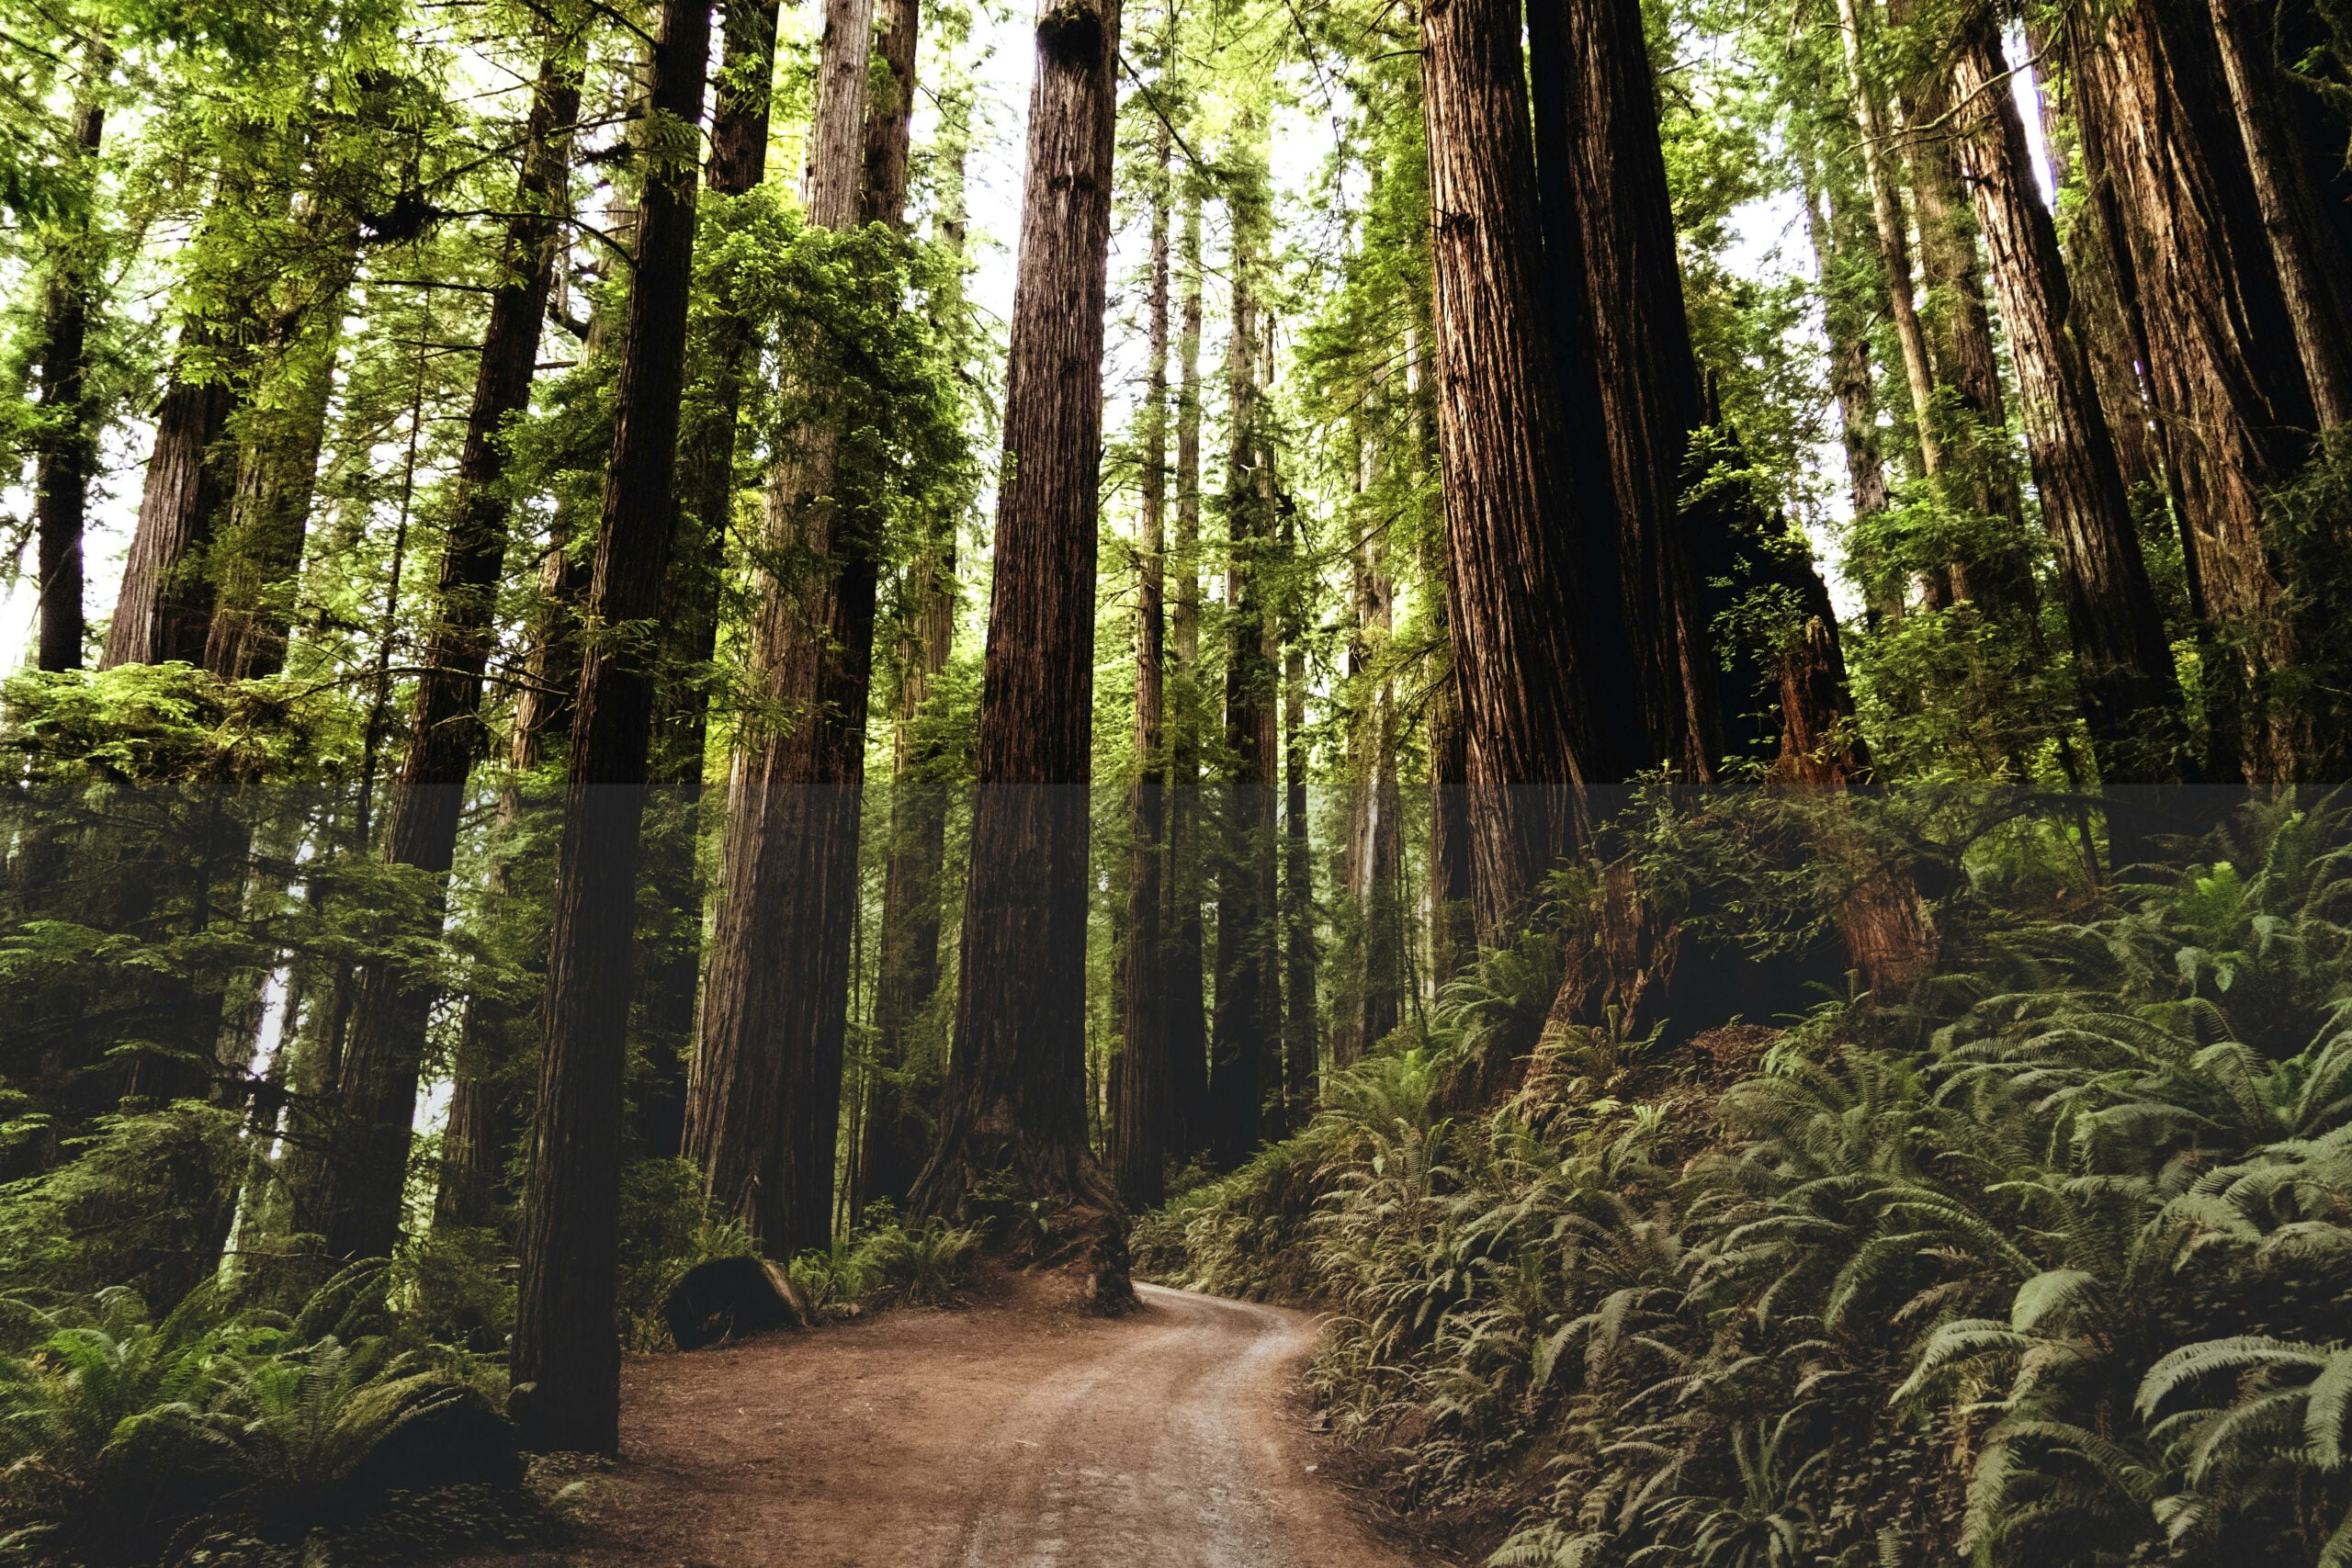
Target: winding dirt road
[1014,1435]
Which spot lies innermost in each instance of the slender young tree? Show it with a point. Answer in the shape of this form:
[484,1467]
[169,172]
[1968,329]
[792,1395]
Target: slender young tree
[565,1352]
[376,1083]
[1140,1134]
[1181,928]
[1014,1126]
[1302,1015]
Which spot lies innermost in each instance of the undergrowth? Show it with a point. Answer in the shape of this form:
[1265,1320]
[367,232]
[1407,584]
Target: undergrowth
[2048,1265]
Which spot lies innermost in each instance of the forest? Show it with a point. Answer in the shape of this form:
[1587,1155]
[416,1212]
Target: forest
[1636,694]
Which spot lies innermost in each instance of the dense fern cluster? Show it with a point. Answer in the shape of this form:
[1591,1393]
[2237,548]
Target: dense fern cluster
[2050,1265]
[212,1436]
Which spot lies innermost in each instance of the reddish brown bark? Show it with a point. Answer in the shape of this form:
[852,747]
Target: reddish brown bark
[1013,1135]
[763,1106]
[2122,658]
[1521,539]
[1182,929]
[566,1360]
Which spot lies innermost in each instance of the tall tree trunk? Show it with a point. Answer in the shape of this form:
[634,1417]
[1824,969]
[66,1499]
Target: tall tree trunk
[1302,1016]
[763,1109]
[376,1081]
[2306,242]
[901,1092]
[268,513]
[2235,411]
[1245,1048]
[1893,238]
[1372,860]
[1183,928]
[1014,1128]
[565,1346]
[1520,542]
[1139,1140]
[889,117]
[164,608]
[2123,666]
[707,488]
[1606,165]
[1846,313]
[67,450]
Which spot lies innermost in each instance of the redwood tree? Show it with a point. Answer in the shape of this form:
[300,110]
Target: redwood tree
[566,1357]
[1014,1133]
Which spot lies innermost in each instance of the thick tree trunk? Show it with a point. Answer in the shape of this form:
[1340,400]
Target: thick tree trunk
[2235,410]
[1521,541]
[2306,240]
[565,1348]
[1182,927]
[1014,1137]
[2122,658]
[377,1082]
[1591,73]
[165,609]
[889,117]
[707,488]
[1373,859]
[1245,1046]
[66,454]
[1139,1140]
[764,1108]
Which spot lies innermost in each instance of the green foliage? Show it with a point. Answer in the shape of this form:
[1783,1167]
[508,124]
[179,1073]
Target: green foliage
[887,1265]
[246,1433]
[2049,1266]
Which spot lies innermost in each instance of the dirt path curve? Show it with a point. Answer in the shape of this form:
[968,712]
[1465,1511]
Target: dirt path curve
[1011,1435]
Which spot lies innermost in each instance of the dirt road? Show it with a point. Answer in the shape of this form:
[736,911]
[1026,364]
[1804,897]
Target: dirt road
[1011,1436]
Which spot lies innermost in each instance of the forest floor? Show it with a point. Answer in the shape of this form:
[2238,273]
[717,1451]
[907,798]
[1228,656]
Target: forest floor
[1013,1433]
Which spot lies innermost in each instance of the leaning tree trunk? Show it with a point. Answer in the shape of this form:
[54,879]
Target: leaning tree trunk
[1139,1140]
[2122,658]
[764,1107]
[1014,1137]
[565,1350]
[1520,540]
[1188,1025]
[360,1205]
[707,488]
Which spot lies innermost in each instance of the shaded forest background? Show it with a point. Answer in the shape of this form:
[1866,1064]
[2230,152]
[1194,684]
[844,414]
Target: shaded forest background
[1646,694]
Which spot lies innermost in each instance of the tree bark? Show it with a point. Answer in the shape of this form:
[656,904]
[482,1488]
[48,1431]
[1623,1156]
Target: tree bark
[1373,859]
[2235,411]
[376,1081]
[1139,1139]
[1520,543]
[2123,666]
[1014,1135]
[2306,246]
[763,1106]
[1245,1046]
[66,453]
[1182,927]
[164,611]
[1302,1015]
[565,1348]
[709,485]
[1592,70]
